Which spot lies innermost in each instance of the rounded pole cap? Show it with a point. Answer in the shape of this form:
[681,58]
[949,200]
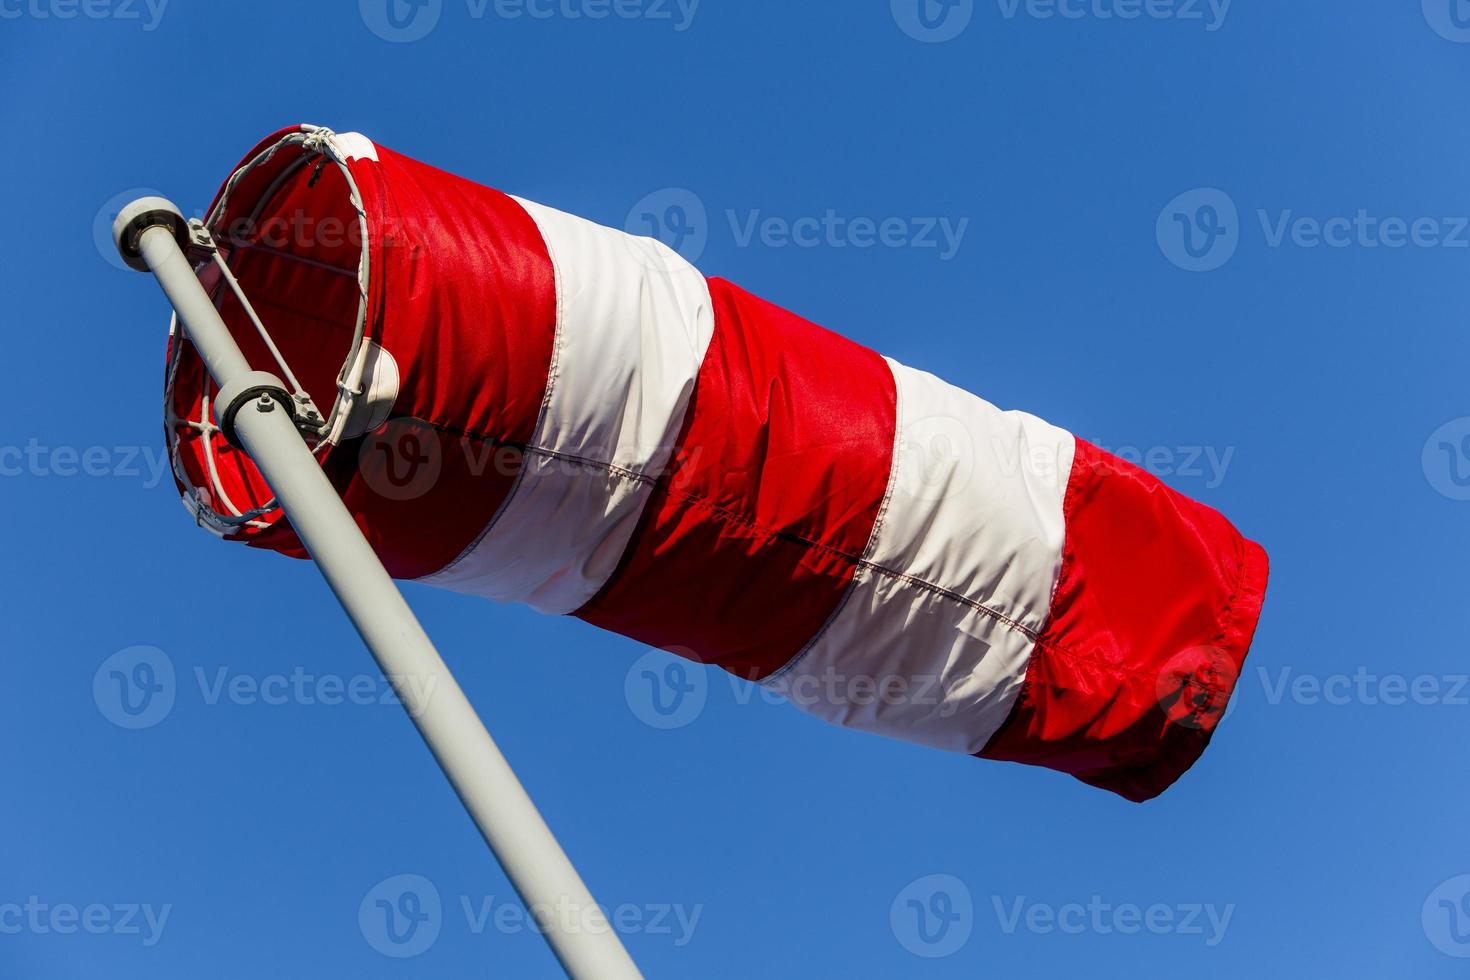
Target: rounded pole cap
[137,218]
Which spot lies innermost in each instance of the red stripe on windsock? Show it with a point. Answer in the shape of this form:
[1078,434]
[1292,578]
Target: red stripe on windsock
[751,538]
[1152,617]
[472,323]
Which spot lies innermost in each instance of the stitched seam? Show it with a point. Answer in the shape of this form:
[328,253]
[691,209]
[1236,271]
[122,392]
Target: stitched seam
[895,457]
[612,469]
[553,374]
[1226,613]
[1069,496]
[740,520]
[942,592]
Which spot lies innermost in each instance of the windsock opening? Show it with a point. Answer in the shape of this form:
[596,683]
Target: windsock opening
[290,226]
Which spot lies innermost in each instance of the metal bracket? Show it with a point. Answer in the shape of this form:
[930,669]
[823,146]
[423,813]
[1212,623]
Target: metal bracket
[306,415]
[201,246]
[252,387]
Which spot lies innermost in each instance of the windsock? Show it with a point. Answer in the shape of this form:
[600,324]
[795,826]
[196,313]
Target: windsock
[523,405]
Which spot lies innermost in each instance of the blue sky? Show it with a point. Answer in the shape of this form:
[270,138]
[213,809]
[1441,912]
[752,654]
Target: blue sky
[1227,239]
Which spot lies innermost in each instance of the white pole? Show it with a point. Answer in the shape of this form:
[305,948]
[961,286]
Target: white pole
[149,233]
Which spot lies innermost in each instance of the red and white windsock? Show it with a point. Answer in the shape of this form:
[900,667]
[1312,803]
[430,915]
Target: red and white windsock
[529,407]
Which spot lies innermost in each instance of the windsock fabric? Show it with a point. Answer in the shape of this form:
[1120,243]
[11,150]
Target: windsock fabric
[534,408]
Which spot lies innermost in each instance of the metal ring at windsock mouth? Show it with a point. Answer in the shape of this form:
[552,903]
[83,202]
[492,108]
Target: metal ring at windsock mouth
[303,285]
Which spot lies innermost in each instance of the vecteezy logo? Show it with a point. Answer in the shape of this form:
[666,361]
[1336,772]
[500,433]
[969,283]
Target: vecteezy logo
[933,21]
[1199,230]
[402,459]
[1195,685]
[1446,917]
[401,916]
[107,214]
[937,458]
[1446,459]
[400,21]
[933,916]
[674,216]
[1449,18]
[134,688]
[665,691]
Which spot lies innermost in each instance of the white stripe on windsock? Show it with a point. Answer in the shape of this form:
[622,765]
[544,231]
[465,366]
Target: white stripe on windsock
[634,320]
[932,642]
